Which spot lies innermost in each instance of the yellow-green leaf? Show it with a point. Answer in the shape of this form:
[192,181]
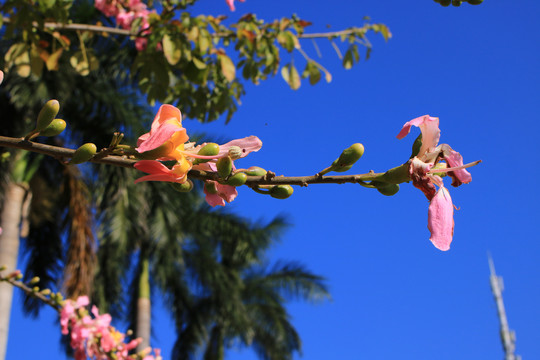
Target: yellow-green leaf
[291,76]
[227,67]
[171,50]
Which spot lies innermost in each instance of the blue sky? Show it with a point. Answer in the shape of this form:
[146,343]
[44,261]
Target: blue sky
[394,296]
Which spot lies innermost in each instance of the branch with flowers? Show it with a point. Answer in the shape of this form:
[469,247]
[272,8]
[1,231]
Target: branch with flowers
[91,334]
[165,154]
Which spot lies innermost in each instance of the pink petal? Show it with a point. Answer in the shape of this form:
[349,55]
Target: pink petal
[247,144]
[1,76]
[151,167]
[441,219]
[166,112]
[158,177]
[227,192]
[231,4]
[454,159]
[429,126]
[158,137]
[418,171]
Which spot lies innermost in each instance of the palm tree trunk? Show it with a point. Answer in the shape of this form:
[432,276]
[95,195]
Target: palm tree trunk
[215,349]
[144,307]
[9,249]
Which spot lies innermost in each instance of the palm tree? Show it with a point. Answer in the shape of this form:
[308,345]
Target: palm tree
[235,297]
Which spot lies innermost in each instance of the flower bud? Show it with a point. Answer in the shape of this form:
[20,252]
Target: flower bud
[255,171]
[35,289]
[224,167]
[2,267]
[235,152]
[55,128]
[47,114]
[83,153]
[45,292]
[210,187]
[210,149]
[186,186]
[237,179]
[34,280]
[350,155]
[386,188]
[281,191]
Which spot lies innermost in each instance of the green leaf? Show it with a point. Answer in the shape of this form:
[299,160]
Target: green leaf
[291,76]
[227,67]
[199,64]
[171,50]
[348,60]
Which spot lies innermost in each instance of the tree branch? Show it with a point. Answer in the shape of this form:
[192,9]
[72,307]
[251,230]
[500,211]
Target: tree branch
[270,178]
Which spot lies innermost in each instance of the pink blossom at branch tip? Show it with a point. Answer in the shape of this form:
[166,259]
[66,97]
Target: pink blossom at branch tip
[231,4]
[1,80]
[423,169]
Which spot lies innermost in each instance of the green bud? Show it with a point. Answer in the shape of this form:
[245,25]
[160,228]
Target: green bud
[35,289]
[210,149]
[210,187]
[184,187]
[350,155]
[386,188]
[255,171]
[237,179]
[281,191]
[47,114]
[343,168]
[34,280]
[18,276]
[475,2]
[2,267]
[45,292]
[55,128]
[224,167]
[83,153]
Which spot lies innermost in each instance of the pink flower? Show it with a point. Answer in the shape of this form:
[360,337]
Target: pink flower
[231,4]
[1,79]
[159,172]
[423,169]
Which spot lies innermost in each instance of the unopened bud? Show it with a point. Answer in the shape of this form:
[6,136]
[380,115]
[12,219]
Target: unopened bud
[281,191]
[45,292]
[19,276]
[186,186]
[83,153]
[3,267]
[34,280]
[224,167]
[47,114]
[235,152]
[210,149]
[210,187]
[350,155]
[35,289]
[386,188]
[55,128]
[255,171]
[237,179]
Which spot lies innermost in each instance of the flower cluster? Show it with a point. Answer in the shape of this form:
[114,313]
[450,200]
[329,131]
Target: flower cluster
[126,12]
[425,169]
[94,337]
[168,140]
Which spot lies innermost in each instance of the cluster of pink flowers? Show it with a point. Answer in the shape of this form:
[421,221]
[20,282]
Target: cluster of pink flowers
[94,337]
[127,11]
[167,140]
[423,171]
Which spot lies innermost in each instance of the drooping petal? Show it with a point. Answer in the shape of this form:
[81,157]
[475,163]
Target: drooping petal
[441,219]
[248,144]
[166,127]
[429,126]
[159,172]
[157,138]
[225,193]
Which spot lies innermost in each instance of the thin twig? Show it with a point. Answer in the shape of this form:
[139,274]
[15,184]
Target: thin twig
[29,291]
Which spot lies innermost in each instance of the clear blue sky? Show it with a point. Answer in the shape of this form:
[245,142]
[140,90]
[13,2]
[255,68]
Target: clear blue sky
[394,295]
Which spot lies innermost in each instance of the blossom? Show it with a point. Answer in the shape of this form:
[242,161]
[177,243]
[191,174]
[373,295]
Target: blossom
[93,336]
[231,4]
[423,170]
[167,139]
[1,76]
